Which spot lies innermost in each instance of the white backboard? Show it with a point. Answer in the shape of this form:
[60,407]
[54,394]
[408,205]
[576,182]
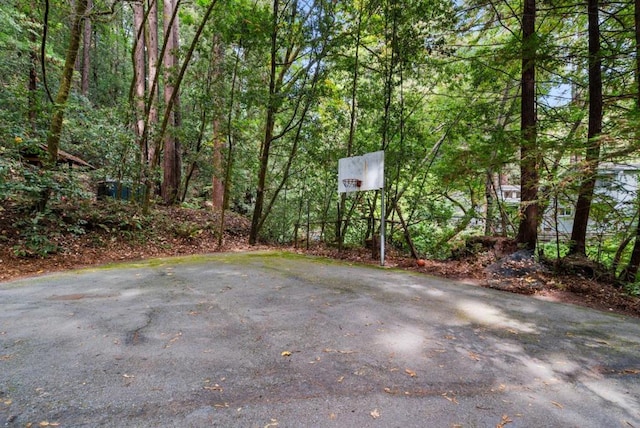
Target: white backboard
[368,168]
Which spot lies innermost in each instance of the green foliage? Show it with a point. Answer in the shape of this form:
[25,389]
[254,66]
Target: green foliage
[436,83]
[48,232]
[551,249]
[36,239]
[632,289]
[433,221]
[26,186]
[189,230]
[9,167]
[115,217]
[106,142]
[41,232]
[41,226]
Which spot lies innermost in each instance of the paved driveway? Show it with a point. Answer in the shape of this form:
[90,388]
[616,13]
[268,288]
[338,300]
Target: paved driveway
[270,339]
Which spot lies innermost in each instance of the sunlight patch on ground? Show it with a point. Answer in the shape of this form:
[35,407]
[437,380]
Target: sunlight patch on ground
[414,290]
[127,294]
[405,341]
[405,289]
[610,392]
[561,363]
[490,316]
[435,293]
[539,370]
[532,368]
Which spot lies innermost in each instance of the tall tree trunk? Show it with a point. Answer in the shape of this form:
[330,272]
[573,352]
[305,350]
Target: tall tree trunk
[286,170]
[342,223]
[217,182]
[528,228]
[193,165]
[171,159]
[389,70]
[292,125]
[230,149]
[156,142]
[213,78]
[492,204]
[86,54]
[268,130]
[33,74]
[55,129]
[139,75]
[177,120]
[152,59]
[585,193]
[407,234]
[178,78]
[630,272]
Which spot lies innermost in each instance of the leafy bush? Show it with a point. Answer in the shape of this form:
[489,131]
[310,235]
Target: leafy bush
[632,289]
[189,230]
[36,237]
[114,216]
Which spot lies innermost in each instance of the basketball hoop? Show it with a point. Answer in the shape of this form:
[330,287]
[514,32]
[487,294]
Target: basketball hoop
[351,184]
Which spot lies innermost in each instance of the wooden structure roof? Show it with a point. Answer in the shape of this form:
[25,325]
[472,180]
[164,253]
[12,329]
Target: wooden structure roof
[63,157]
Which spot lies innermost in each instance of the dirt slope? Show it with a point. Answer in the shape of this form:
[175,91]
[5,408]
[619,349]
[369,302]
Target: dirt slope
[180,231]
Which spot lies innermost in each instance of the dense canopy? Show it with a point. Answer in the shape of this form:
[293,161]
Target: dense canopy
[498,117]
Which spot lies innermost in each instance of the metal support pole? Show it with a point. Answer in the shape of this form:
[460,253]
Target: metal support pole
[382,224]
[308,224]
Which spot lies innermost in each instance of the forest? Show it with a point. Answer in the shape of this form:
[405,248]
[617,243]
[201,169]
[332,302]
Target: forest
[513,118]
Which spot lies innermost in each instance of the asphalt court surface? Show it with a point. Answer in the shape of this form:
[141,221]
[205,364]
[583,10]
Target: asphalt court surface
[274,339]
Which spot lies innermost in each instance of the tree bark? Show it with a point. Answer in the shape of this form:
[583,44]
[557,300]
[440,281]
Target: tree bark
[86,54]
[343,222]
[529,178]
[179,78]
[139,76]
[630,272]
[171,159]
[268,130]
[217,182]
[493,204]
[33,75]
[230,149]
[490,204]
[407,233]
[152,58]
[55,129]
[585,193]
[298,110]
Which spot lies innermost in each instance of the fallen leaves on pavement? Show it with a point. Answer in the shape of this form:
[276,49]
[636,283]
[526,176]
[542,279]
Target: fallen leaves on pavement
[410,372]
[505,420]
[451,399]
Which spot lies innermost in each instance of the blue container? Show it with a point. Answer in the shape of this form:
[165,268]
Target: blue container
[117,190]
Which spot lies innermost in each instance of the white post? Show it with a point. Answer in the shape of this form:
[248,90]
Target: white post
[382,224]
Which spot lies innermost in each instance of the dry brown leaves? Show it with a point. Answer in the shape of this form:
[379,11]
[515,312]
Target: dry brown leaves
[198,235]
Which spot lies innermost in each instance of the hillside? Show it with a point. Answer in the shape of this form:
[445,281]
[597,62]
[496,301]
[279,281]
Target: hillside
[107,232]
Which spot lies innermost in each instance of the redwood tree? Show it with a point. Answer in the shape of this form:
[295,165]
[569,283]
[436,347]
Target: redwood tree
[152,60]
[529,178]
[139,75]
[585,193]
[172,158]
